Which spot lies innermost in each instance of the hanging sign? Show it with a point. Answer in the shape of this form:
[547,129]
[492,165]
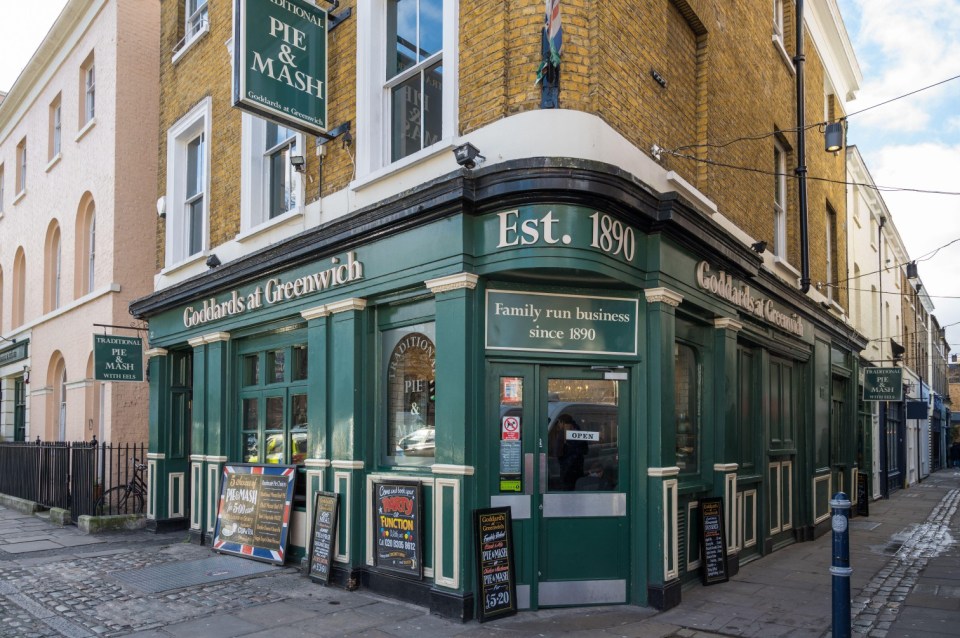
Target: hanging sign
[117,358]
[496,574]
[397,519]
[883,384]
[325,510]
[280,62]
[253,519]
[713,541]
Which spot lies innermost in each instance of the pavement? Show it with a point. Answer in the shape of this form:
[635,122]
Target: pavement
[61,582]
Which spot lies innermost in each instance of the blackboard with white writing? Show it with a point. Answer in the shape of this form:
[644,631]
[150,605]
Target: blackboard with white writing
[863,494]
[326,508]
[496,576]
[397,521]
[253,518]
[713,541]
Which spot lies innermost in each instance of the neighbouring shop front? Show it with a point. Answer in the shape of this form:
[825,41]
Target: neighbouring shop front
[599,366]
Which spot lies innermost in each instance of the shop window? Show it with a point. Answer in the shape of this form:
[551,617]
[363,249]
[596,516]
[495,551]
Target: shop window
[188,173]
[687,388]
[409,360]
[747,420]
[409,53]
[273,405]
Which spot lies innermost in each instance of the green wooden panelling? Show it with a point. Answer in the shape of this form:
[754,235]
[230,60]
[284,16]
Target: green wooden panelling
[346,388]
[198,439]
[218,394]
[449,514]
[318,379]
[455,374]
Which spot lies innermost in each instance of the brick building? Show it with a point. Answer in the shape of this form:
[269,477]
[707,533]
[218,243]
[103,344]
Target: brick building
[590,314]
[77,220]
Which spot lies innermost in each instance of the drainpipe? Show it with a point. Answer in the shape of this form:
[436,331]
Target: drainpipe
[801,170]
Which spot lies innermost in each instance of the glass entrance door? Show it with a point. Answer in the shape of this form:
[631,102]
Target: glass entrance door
[568,499]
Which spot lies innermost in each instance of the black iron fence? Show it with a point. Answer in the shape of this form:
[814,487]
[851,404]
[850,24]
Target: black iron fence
[69,475]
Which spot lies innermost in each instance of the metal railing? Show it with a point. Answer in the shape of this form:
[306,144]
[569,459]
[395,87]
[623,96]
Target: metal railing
[68,475]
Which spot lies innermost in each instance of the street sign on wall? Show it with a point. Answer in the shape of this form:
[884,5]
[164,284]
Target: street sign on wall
[883,384]
[280,62]
[117,358]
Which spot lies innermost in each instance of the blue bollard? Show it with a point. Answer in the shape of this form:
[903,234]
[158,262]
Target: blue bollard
[840,568]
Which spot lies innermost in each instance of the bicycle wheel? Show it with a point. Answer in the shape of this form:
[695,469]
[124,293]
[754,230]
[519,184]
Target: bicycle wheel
[114,501]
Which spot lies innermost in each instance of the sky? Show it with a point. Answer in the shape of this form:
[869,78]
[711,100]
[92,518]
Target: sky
[914,142]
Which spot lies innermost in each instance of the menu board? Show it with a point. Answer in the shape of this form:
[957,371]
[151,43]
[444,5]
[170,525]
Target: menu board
[495,570]
[713,541]
[253,518]
[325,510]
[863,494]
[397,519]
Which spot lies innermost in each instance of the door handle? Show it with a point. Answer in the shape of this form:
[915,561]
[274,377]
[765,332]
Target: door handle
[528,473]
[543,473]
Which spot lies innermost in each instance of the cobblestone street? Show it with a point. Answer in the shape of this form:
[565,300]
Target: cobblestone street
[59,582]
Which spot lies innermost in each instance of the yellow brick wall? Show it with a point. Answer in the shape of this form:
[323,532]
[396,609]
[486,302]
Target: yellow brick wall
[724,80]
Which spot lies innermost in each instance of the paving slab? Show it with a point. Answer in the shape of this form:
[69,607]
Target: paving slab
[32,546]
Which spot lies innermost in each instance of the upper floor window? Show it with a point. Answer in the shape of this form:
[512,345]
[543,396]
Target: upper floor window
[88,90]
[778,20]
[52,265]
[188,172]
[22,166]
[779,201]
[831,248]
[409,104]
[86,247]
[196,15]
[19,288]
[56,122]
[2,193]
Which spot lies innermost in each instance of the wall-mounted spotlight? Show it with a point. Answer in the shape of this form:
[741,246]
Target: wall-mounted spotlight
[833,137]
[162,207]
[26,374]
[298,162]
[213,261]
[759,246]
[468,155]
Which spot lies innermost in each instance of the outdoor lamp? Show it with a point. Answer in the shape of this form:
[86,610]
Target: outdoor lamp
[833,137]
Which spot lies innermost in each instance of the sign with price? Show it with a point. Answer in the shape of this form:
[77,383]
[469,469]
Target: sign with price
[496,574]
[713,541]
[397,521]
[325,511]
[561,323]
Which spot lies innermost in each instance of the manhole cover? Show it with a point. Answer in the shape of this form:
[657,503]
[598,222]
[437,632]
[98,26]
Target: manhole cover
[152,580]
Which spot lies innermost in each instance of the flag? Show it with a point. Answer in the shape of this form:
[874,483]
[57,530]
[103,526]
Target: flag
[554,31]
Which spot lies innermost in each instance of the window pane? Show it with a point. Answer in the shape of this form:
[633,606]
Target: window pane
[274,413]
[686,407]
[279,184]
[299,363]
[582,435]
[401,35]
[405,127]
[298,432]
[251,369]
[275,448]
[195,241]
[410,360]
[195,166]
[431,27]
[276,362]
[433,105]
[250,414]
[251,447]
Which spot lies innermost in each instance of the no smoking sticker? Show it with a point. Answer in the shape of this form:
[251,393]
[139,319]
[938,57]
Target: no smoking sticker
[510,428]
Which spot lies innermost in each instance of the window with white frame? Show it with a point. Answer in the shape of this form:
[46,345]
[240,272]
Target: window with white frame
[778,20]
[779,201]
[831,248]
[56,127]
[88,76]
[271,184]
[92,252]
[2,192]
[22,166]
[196,18]
[406,80]
[188,170]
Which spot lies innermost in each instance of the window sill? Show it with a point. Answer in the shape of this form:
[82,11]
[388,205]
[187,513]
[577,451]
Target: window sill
[19,196]
[443,146]
[189,261]
[53,162]
[785,270]
[280,220]
[86,128]
[204,30]
[778,45]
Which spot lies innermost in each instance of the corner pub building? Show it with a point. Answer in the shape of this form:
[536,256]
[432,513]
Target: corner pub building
[574,328]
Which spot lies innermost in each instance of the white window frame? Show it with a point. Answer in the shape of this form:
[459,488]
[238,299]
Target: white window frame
[56,128]
[373,100]
[91,256]
[62,416]
[3,178]
[196,122]
[778,21]
[831,241]
[780,206]
[255,177]
[89,91]
[196,21]
[57,272]
[22,166]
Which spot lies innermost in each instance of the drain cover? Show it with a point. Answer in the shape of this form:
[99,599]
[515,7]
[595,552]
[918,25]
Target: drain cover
[152,580]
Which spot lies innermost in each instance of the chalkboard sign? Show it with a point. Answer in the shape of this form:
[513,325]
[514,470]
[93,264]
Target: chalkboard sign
[863,494]
[325,512]
[496,576]
[713,541]
[253,518]
[397,519]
